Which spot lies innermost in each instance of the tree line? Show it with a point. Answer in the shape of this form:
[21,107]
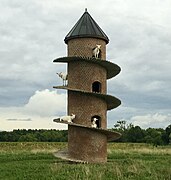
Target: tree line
[130,133]
[40,135]
[134,134]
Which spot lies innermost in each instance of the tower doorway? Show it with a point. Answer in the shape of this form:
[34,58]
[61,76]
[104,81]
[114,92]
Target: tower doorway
[98,121]
[96,87]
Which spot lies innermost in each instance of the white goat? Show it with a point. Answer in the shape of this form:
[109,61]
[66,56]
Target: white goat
[96,51]
[94,125]
[64,77]
[67,118]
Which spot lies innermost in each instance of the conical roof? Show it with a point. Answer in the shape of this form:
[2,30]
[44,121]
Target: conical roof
[86,27]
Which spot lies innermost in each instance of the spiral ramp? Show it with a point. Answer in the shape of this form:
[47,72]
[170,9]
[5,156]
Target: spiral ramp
[97,134]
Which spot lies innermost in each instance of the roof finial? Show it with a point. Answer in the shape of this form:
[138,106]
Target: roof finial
[85,9]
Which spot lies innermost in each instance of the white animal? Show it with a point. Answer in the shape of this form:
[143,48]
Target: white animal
[96,51]
[64,77]
[67,118]
[94,125]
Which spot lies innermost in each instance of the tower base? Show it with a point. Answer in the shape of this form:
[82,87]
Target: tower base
[86,144]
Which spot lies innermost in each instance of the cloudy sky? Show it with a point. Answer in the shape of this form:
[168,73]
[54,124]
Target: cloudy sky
[32,34]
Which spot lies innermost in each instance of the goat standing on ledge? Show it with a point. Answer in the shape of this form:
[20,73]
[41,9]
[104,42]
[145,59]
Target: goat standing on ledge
[64,77]
[97,51]
[67,118]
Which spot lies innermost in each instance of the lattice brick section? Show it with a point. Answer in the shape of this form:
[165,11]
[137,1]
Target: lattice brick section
[81,75]
[83,47]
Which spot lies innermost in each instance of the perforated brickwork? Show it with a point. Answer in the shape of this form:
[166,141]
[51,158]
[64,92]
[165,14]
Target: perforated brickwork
[87,145]
[84,47]
[81,75]
[85,107]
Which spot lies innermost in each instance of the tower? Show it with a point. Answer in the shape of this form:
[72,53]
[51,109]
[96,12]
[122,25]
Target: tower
[87,87]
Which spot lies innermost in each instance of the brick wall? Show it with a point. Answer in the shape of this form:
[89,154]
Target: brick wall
[87,145]
[83,143]
[85,107]
[81,75]
[83,47]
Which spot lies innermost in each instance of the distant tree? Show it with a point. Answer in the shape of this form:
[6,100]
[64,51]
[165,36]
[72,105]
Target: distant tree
[131,133]
[27,138]
[135,134]
[170,138]
[30,135]
[168,132]
[3,136]
[153,136]
[123,128]
[120,125]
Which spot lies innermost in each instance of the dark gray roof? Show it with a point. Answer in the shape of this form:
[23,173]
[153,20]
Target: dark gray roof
[86,27]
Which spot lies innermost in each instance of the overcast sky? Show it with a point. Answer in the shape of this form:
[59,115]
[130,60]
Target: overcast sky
[32,34]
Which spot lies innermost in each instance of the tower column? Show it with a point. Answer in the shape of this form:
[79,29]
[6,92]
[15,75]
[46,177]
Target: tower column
[88,72]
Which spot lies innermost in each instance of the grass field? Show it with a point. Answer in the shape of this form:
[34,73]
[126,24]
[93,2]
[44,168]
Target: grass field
[35,161]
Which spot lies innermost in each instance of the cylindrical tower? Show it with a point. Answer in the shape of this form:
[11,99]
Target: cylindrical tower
[87,97]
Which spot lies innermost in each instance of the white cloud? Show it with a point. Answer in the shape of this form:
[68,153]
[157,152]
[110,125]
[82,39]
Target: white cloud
[152,120]
[143,117]
[38,113]
[46,103]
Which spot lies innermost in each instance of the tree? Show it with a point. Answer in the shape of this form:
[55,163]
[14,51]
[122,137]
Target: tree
[123,128]
[168,132]
[27,138]
[170,138]
[135,134]
[120,125]
[153,136]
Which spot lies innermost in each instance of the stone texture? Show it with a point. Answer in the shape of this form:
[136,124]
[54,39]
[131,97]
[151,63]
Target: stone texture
[83,143]
[85,107]
[87,145]
[84,46]
[81,75]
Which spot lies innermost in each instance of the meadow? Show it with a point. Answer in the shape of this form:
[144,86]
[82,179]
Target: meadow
[36,161]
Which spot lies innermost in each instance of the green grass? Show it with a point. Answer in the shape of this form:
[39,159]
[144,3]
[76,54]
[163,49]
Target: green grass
[35,161]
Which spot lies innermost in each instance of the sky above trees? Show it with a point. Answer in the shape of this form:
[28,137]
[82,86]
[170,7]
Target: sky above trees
[32,34]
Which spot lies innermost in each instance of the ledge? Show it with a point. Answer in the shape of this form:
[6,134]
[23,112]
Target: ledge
[112,102]
[111,68]
[63,154]
[111,135]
